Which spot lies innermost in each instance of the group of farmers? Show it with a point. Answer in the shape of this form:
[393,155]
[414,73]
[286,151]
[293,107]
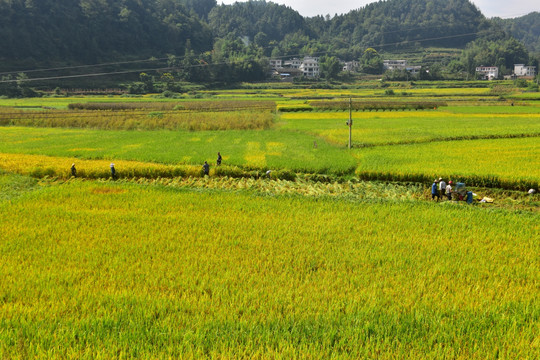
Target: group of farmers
[206,168]
[440,188]
[74,171]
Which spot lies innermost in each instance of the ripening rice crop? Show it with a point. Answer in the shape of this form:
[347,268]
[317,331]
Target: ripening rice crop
[502,163]
[40,166]
[258,150]
[60,167]
[202,105]
[106,270]
[385,128]
[337,105]
[138,119]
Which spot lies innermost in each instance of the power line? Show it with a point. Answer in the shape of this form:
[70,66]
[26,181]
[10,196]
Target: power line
[167,58]
[177,57]
[219,63]
[82,66]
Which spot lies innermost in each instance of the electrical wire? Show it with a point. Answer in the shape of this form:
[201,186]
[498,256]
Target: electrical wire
[219,63]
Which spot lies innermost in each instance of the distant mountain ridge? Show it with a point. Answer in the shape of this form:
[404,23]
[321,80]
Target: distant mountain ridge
[50,32]
[525,28]
[443,23]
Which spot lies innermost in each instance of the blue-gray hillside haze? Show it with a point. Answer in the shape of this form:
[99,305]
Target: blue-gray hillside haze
[490,8]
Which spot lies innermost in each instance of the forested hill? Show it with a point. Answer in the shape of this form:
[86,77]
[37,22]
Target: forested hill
[256,17]
[49,31]
[443,23]
[37,33]
[525,28]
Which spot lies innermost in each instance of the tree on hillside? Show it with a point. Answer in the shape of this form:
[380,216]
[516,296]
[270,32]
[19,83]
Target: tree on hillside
[201,7]
[525,29]
[371,62]
[330,67]
[251,17]
[501,53]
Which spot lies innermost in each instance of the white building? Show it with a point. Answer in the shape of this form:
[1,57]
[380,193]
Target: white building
[488,72]
[522,70]
[293,63]
[413,70]
[310,66]
[351,66]
[394,64]
[276,63]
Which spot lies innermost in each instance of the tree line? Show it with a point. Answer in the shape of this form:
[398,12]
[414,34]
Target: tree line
[210,43]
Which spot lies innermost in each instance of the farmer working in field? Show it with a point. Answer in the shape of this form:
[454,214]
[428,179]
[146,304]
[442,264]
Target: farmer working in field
[442,187]
[73,170]
[206,168]
[449,190]
[113,171]
[435,190]
[218,162]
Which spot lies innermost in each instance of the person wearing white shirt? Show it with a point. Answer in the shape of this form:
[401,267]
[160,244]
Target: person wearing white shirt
[449,190]
[442,187]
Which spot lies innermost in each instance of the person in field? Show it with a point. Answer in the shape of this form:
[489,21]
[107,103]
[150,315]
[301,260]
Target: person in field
[442,187]
[435,190]
[206,168]
[449,190]
[218,162]
[73,170]
[113,171]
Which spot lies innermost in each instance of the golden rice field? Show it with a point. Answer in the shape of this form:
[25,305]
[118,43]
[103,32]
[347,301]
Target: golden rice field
[308,263]
[138,119]
[129,271]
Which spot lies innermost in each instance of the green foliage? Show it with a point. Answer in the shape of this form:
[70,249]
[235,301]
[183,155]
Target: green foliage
[53,30]
[371,62]
[201,7]
[503,53]
[525,28]
[253,17]
[16,86]
[330,67]
[521,83]
[222,45]
[403,22]
[532,87]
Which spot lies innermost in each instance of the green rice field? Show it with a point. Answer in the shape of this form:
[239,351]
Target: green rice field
[333,254]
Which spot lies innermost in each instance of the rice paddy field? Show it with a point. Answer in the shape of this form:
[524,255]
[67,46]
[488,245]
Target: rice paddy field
[334,253]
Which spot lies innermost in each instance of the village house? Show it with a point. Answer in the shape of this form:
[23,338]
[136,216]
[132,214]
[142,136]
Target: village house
[293,63]
[520,70]
[413,70]
[488,72]
[394,64]
[276,63]
[310,66]
[351,66]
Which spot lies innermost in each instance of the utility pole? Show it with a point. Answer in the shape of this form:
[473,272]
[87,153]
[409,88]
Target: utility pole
[350,123]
